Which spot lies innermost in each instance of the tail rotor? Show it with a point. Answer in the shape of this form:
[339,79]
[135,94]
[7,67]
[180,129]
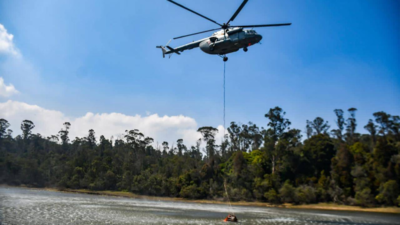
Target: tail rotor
[163,48]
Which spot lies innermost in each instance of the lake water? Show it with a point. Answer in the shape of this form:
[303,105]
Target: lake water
[24,206]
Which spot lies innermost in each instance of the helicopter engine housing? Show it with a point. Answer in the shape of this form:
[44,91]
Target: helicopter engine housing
[219,47]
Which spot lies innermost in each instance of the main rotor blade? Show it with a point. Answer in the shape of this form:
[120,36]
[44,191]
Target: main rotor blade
[265,25]
[238,11]
[196,33]
[194,12]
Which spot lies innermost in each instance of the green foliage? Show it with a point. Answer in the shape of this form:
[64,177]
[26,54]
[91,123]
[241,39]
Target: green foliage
[27,127]
[287,192]
[304,195]
[342,164]
[318,126]
[319,150]
[388,193]
[109,180]
[364,197]
[191,191]
[383,152]
[272,196]
[350,168]
[4,124]
[322,188]
[398,200]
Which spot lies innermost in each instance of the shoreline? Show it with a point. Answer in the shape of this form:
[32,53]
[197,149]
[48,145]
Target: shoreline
[318,206]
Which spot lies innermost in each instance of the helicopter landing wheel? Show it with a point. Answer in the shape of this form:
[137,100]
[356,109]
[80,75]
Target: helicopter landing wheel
[245,49]
[225,58]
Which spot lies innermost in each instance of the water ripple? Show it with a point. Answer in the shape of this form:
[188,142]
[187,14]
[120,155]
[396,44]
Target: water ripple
[23,206]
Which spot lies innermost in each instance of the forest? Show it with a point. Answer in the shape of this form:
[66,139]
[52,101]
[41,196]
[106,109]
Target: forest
[348,164]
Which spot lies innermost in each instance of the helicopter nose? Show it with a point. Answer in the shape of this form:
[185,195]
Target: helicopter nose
[258,37]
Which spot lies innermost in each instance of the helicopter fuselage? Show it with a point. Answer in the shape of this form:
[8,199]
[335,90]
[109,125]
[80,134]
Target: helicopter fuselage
[222,43]
[227,40]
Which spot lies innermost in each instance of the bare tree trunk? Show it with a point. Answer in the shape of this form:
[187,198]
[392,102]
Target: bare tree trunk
[273,164]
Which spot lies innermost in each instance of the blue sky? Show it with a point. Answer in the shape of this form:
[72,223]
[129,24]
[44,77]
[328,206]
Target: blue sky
[100,57]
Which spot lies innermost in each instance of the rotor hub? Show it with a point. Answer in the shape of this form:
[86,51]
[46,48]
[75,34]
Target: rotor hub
[225,26]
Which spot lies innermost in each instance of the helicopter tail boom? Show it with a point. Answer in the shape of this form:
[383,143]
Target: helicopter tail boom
[168,51]
[171,50]
[164,51]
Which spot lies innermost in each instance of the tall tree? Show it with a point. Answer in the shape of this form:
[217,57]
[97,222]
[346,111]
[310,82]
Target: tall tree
[165,148]
[371,128]
[309,129]
[250,137]
[181,147]
[278,125]
[319,126]
[340,122]
[383,121]
[255,135]
[277,122]
[208,134]
[26,127]
[63,133]
[134,138]
[53,138]
[209,137]
[4,125]
[320,150]
[395,126]
[9,133]
[234,135]
[148,141]
[91,138]
[351,124]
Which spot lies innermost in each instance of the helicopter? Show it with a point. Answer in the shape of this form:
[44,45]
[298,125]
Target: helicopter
[228,39]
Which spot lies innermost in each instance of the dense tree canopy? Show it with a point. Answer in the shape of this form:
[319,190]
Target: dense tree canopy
[273,164]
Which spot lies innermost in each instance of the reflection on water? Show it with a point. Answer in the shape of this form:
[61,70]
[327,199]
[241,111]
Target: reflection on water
[24,206]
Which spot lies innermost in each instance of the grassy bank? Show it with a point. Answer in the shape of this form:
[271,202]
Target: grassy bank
[319,206]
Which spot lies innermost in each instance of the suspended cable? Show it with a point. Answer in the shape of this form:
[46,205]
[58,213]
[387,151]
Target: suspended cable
[224,101]
[226,192]
[230,205]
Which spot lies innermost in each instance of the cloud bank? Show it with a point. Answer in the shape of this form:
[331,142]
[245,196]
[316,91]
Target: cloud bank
[6,90]
[49,122]
[7,48]
[6,42]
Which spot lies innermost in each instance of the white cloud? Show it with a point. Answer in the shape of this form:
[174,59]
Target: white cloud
[161,128]
[6,90]
[49,122]
[6,42]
